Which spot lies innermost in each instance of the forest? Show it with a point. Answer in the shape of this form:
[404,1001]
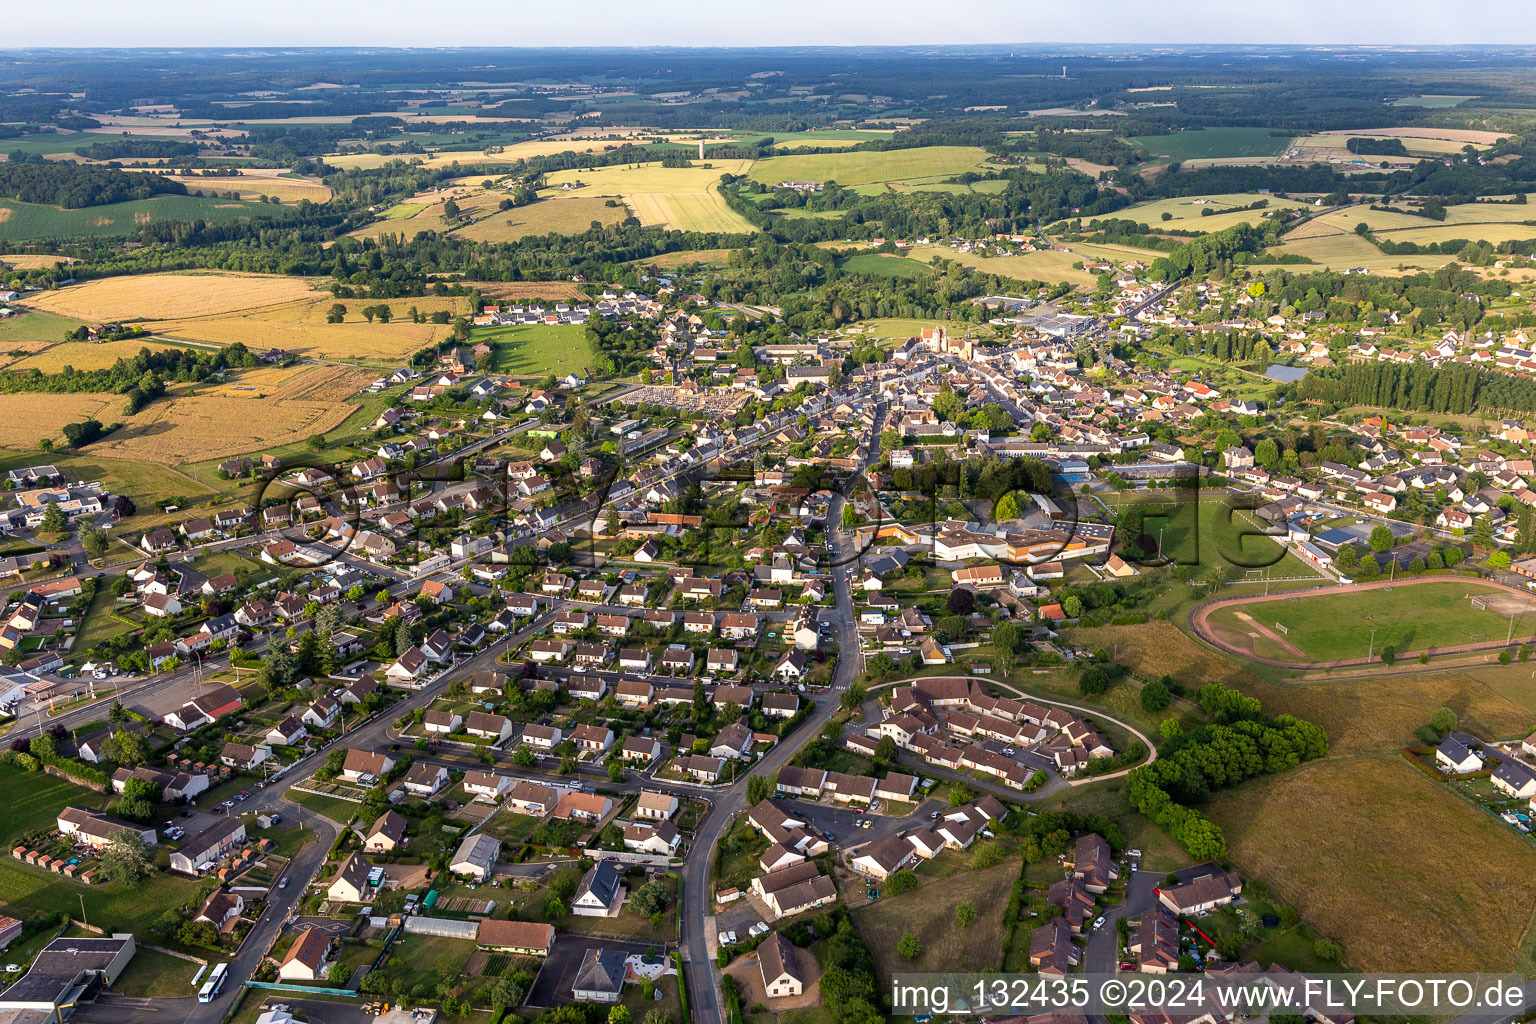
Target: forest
[1419,387]
[31,179]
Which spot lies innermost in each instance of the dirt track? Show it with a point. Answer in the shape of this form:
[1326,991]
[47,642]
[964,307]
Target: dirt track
[1199,620]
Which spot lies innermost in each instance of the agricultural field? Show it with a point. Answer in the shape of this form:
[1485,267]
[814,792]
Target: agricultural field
[219,424]
[1460,136]
[259,181]
[1385,879]
[33,220]
[262,311]
[34,329]
[1045,265]
[1212,143]
[826,138]
[1409,618]
[1326,145]
[535,350]
[684,257]
[86,355]
[169,296]
[870,168]
[1344,252]
[522,291]
[684,198]
[33,260]
[1190,213]
[26,418]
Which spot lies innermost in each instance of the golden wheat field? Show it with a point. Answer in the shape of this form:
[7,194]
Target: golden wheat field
[85,355]
[511,291]
[26,419]
[259,311]
[15,351]
[170,296]
[33,260]
[283,407]
[301,327]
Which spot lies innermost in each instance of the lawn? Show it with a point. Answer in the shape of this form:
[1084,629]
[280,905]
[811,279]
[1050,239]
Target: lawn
[1389,876]
[33,800]
[929,913]
[331,807]
[1328,627]
[869,167]
[111,907]
[152,974]
[1213,143]
[536,350]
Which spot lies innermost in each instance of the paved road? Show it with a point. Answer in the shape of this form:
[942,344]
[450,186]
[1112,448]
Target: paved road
[704,996]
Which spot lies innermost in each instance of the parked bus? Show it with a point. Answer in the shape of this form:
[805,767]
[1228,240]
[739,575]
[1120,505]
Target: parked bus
[210,990]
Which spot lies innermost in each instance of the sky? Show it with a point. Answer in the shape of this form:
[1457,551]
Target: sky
[158,23]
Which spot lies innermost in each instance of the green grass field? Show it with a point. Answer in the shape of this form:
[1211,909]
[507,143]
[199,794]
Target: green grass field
[1208,143]
[883,265]
[1210,213]
[33,800]
[1328,627]
[869,168]
[1431,101]
[32,220]
[1046,265]
[537,349]
[35,326]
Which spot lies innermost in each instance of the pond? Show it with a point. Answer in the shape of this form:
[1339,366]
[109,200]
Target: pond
[1285,374]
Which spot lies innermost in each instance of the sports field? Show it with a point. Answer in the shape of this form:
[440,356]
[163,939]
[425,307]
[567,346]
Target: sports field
[683,198]
[1190,213]
[1375,856]
[1331,626]
[1209,143]
[535,350]
[1047,265]
[870,168]
[34,220]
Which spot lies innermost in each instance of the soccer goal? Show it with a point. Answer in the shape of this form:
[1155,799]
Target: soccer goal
[1479,603]
[1283,628]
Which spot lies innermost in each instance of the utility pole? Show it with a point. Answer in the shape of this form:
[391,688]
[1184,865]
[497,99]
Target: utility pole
[1373,644]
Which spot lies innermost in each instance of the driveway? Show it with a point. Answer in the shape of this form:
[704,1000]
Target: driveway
[552,987]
